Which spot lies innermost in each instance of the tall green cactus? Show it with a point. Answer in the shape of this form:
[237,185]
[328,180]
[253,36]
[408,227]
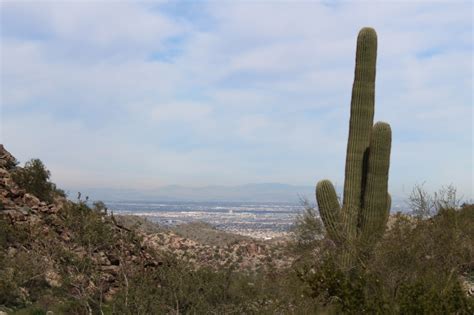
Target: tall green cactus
[366,203]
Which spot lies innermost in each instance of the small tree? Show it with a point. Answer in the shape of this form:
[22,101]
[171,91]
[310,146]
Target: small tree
[420,202]
[308,227]
[447,198]
[34,178]
[100,206]
[424,204]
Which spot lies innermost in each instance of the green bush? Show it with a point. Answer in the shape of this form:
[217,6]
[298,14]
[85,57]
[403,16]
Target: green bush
[90,228]
[34,178]
[415,269]
[177,288]
[308,228]
[20,278]
[11,236]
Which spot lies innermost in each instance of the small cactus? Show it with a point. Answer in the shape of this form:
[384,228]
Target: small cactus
[366,202]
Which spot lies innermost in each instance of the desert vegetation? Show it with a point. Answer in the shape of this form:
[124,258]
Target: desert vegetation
[71,258]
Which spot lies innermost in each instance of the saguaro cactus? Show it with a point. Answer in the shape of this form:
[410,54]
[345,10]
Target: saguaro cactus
[366,202]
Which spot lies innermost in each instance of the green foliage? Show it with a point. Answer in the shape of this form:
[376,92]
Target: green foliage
[10,235]
[418,297]
[414,269]
[100,206]
[34,178]
[341,292]
[362,218]
[90,228]
[17,273]
[177,288]
[308,228]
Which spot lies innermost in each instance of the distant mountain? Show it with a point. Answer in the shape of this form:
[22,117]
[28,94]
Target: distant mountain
[266,192]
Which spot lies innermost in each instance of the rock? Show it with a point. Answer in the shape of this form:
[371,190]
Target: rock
[14,192]
[24,210]
[4,173]
[31,200]
[52,209]
[109,296]
[102,259]
[113,270]
[8,204]
[14,215]
[52,278]
[7,161]
[11,252]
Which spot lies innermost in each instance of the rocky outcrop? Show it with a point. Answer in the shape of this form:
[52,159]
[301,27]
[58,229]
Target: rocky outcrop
[246,255]
[35,228]
[7,161]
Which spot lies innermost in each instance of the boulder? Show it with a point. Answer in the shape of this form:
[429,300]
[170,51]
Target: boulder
[31,200]
[7,161]
[52,278]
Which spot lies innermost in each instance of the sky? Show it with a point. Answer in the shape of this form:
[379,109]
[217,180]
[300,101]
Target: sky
[129,94]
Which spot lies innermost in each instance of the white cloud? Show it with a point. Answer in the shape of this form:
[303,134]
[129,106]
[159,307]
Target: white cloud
[265,90]
[185,112]
[91,30]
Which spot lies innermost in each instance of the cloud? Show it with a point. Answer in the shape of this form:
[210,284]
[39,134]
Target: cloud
[89,31]
[181,112]
[232,92]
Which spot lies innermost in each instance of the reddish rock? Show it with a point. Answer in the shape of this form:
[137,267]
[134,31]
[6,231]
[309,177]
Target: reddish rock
[13,215]
[31,200]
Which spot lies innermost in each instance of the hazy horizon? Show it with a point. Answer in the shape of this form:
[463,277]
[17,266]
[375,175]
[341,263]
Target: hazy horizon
[141,95]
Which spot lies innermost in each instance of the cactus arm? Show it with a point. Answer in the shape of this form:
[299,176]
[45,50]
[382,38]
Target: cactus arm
[389,204]
[387,212]
[329,208]
[373,213]
[361,119]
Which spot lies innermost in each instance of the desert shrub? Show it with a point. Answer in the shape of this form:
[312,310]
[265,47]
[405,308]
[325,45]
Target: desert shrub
[10,235]
[441,245]
[21,278]
[414,269]
[171,287]
[90,228]
[177,288]
[420,297]
[34,178]
[423,204]
[355,292]
[308,227]
[99,206]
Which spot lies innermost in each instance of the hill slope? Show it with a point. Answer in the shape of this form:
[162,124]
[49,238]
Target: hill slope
[75,259]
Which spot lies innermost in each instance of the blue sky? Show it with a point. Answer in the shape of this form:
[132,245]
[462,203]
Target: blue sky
[144,94]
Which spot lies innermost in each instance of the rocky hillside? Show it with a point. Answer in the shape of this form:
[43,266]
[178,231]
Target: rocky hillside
[200,244]
[62,246]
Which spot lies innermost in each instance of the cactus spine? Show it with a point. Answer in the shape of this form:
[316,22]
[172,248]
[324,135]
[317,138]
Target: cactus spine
[366,203]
